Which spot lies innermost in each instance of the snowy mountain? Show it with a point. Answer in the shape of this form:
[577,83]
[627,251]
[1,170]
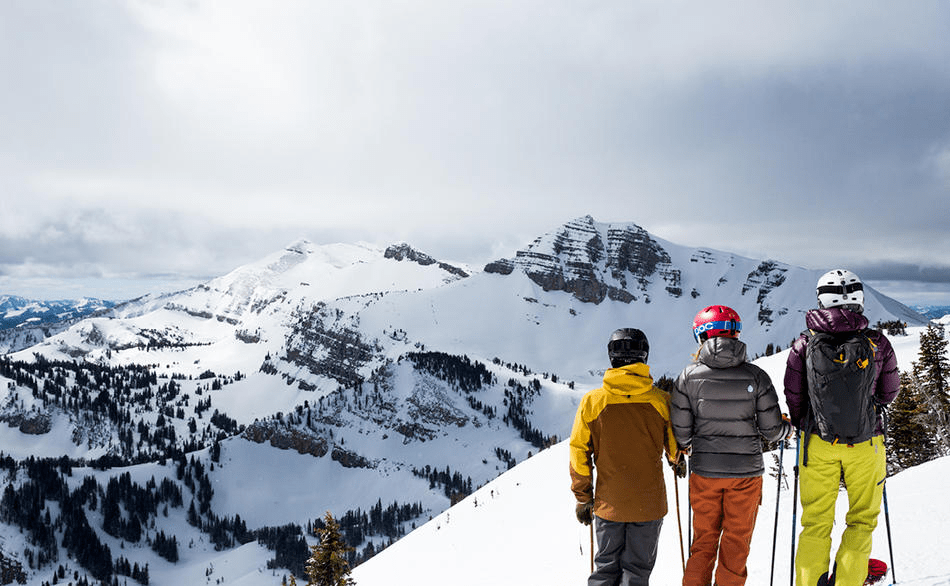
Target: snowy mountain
[933,311]
[18,311]
[26,322]
[624,274]
[380,384]
[585,278]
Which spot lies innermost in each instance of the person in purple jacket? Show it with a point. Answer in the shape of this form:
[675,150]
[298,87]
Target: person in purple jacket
[822,463]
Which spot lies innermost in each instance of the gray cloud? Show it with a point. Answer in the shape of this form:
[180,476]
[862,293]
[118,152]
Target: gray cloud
[191,137]
[904,272]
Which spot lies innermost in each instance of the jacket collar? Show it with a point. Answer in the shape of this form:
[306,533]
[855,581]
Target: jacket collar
[633,379]
[835,319]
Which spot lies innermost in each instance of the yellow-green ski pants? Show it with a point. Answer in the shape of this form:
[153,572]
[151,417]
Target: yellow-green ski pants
[864,466]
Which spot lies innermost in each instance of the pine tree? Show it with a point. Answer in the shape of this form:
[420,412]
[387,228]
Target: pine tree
[933,357]
[910,439]
[933,372]
[327,565]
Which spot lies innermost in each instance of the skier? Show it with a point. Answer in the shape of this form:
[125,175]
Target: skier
[623,428]
[722,406]
[826,455]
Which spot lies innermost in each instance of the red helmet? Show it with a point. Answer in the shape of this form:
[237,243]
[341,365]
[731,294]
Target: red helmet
[716,320]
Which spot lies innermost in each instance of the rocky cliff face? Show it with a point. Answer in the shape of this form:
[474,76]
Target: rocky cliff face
[285,438]
[764,279]
[595,262]
[403,251]
[303,441]
[30,423]
[325,344]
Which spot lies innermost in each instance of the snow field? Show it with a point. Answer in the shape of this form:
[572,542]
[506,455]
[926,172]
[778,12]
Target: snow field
[520,529]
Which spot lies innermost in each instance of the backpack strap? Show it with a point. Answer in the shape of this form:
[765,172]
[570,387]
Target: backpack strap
[808,427]
[807,420]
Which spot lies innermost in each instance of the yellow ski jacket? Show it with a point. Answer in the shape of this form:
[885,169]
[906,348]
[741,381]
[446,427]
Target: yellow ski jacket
[623,429]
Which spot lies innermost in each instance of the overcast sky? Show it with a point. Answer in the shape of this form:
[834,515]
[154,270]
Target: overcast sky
[148,144]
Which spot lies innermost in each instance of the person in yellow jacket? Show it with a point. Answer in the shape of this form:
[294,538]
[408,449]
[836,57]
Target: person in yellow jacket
[623,428]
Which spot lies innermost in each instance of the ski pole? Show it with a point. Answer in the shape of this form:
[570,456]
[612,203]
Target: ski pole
[689,509]
[890,543]
[592,547]
[679,522]
[778,493]
[887,515]
[798,444]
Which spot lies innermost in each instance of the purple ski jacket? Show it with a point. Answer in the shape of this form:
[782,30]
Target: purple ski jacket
[834,320]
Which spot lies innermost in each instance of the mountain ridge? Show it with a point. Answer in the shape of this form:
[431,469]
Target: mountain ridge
[379,367]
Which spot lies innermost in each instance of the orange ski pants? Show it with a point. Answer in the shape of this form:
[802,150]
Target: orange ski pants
[724,512]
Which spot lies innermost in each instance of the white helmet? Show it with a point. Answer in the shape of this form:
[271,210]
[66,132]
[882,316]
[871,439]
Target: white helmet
[840,288]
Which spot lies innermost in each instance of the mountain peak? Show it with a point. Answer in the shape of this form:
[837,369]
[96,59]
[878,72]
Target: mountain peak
[403,251]
[301,246]
[594,261]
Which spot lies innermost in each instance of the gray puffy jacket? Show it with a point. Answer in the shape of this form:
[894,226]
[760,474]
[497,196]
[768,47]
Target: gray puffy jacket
[721,408]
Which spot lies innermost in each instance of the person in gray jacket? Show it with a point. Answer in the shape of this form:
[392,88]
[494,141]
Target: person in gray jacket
[722,407]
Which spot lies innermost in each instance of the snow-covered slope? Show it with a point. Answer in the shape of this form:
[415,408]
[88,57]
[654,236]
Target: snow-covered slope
[520,528]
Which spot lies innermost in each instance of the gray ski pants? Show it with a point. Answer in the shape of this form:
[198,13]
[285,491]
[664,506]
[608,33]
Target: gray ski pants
[626,552]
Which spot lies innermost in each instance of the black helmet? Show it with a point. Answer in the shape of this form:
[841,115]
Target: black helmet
[627,346]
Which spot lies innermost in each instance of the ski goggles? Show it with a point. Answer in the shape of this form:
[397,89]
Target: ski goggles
[840,289]
[730,326]
[628,345]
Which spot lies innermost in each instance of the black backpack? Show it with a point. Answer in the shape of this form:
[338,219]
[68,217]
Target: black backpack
[840,370]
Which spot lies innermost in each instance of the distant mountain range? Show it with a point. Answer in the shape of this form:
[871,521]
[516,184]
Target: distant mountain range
[18,311]
[933,311]
[25,322]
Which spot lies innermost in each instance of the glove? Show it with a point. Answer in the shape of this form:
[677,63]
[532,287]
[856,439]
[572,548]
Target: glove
[679,465]
[585,512]
[788,428]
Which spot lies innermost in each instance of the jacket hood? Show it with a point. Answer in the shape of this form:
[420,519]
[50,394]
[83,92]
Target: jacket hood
[633,379]
[633,383]
[834,320]
[722,352]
